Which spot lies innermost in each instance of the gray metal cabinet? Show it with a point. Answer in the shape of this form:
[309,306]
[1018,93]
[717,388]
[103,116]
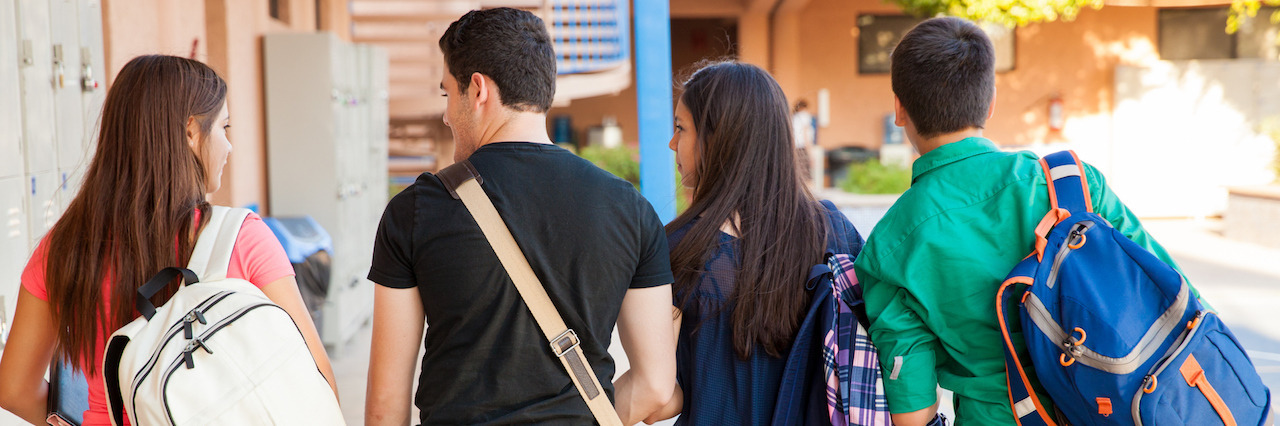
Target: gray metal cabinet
[326,152]
[48,117]
[36,71]
[13,239]
[67,93]
[13,256]
[11,157]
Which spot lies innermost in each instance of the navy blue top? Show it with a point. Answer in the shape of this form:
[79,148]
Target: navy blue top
[719,388]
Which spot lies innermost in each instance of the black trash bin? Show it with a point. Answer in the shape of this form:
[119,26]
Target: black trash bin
[839,159]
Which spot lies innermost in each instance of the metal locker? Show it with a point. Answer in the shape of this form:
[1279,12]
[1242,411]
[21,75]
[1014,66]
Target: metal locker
[70,182]
[301,73]
[11,155]
[378,131]
[64,31]
[43,207]
[93,73]
[13,241]
[36,74]
[361,64]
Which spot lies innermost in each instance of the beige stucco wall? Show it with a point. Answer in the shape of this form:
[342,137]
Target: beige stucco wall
[141,27]
[1073,59]
[228,36]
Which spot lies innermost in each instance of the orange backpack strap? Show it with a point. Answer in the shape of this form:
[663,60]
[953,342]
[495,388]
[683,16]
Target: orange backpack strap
[1027,409]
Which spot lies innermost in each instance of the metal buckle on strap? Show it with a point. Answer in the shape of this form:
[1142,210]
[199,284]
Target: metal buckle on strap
[556,343]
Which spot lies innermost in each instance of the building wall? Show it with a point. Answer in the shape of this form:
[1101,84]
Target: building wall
[828,59]
[693,40]
[1074,60]
[227,35]
[143,27]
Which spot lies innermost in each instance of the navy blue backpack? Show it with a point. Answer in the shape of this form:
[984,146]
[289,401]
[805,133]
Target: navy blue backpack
[1114,334]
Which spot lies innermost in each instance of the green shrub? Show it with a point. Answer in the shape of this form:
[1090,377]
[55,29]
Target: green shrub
[871,177]
[624,162]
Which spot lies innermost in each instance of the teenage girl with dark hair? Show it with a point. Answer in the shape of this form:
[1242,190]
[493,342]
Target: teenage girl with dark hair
[741,253]
[161,150]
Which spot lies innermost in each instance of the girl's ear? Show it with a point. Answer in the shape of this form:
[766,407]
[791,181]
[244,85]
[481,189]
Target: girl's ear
[193,132]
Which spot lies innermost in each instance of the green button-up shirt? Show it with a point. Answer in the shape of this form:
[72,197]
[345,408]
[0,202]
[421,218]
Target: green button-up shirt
[931,268]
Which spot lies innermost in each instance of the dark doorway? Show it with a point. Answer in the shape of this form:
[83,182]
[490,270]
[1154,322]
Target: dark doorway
[694,40]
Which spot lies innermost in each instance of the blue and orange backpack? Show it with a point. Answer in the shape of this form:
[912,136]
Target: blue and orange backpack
[1114,334]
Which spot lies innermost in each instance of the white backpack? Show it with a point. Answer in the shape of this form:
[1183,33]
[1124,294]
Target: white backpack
[218,352]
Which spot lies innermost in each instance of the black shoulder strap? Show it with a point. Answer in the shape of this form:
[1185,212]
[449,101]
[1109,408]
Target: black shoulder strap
[111,375]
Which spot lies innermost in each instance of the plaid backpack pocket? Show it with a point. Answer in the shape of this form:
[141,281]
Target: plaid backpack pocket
[855,387]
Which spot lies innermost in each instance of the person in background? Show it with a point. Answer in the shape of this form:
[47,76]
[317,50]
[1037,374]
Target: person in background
[741,252]
[805,127]
[161,151]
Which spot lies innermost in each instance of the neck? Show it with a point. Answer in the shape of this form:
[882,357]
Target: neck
[519,127]
[930,144]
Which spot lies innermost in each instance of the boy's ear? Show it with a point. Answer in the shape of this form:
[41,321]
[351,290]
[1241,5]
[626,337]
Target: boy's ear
[899,113]
[481,86]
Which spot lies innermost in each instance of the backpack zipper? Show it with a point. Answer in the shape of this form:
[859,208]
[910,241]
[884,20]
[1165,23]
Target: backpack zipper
[1077,231]
[173,331]
[197,343]
[1183,341]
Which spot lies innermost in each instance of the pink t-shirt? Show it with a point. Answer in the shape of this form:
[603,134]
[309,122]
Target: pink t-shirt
[257,258]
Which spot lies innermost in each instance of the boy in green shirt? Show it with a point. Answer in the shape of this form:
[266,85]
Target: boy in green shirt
[931,268]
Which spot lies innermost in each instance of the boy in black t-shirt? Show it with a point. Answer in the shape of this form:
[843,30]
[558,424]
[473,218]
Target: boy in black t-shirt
[596,244]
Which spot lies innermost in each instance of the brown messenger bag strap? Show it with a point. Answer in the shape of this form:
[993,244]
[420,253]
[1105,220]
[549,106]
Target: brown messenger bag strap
[463,183]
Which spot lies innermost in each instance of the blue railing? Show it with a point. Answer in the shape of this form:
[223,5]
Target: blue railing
[590,35]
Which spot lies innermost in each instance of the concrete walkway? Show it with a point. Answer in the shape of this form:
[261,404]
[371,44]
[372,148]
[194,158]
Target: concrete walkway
[1241,280]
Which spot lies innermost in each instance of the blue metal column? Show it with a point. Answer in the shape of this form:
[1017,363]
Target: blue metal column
[653,102]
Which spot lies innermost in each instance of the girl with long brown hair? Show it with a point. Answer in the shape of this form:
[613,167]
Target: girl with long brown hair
[741,252]
[161,149]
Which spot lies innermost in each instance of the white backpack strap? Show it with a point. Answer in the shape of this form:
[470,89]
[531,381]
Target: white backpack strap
[212,254]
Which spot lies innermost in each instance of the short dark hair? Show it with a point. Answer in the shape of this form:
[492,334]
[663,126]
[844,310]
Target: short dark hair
[510,46]
[943,72]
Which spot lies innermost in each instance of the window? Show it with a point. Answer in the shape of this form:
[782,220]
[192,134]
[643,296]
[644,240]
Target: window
[279,10]
[879,34]
[1200,33]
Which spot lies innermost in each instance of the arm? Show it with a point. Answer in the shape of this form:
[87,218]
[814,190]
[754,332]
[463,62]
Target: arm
[919,417]
[909,351]
[676,404]
[398,322]
[30,348]
[673,408]
[284,292]
[647,386]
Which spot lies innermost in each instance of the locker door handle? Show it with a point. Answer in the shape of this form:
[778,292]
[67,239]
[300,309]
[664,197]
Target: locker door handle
[59,70]
[28,55]
[87,82]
